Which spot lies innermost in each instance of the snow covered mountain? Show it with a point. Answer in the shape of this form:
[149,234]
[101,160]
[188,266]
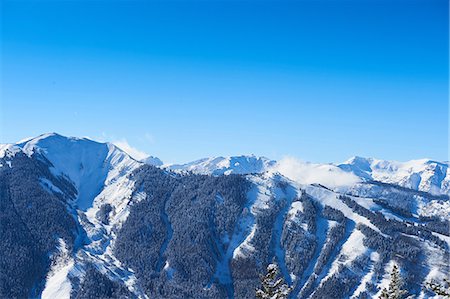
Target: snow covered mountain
[97,174]
[83,219]
[423,175]
[91,166]
[226,165]
[155,161]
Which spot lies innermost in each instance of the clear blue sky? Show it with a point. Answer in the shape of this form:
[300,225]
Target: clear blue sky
[320,80]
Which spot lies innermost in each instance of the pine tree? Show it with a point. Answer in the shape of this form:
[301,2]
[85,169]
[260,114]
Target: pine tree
[441,289]
[394,290]
[384,294]
[272,285]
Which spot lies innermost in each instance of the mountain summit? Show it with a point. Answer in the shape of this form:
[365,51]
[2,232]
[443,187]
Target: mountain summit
[226,165]
[423,175]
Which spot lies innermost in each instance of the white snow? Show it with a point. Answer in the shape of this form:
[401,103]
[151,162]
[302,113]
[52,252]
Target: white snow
[239,243]
[309,173]
[57,283]
[89,165]
[374,257]
[384,283]
[226,165]
[150,160]
[327,197]
[365,202]
[246,227]
[443,238]
[9,150]
[117,192]
[82,161]
[424,174]
[438,208]
[296,206]
[437,263]
[49,187]
[352,248]
[169,270]
[259,199]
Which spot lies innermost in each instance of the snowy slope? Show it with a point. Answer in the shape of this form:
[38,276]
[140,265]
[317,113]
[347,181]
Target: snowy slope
[88,164]
[9,150]
[226,165]
[423,175]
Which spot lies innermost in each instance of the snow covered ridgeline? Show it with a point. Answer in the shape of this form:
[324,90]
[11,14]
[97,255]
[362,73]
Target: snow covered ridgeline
[422,175]
[126,229]
[226,165]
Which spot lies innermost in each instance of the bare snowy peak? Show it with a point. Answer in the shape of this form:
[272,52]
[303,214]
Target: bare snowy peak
[155,161]
[226,165]
[86,163]
[423,175]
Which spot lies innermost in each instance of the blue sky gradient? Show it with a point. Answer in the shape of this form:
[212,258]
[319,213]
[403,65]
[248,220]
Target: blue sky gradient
[319,80]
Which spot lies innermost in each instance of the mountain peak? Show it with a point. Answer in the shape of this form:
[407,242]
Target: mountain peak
[243,164]
[421,174]
[151,160]
[88,164]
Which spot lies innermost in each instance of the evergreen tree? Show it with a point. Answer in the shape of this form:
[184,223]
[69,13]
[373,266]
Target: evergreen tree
[272,285]
[394,290]
[384,294]
[441,289]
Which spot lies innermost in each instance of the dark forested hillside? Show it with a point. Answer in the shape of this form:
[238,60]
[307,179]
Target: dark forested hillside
[184,224]
[32,219]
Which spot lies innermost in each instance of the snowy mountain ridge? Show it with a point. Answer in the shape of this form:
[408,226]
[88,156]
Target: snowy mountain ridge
[139,229]
[423,174]
[226,165]
[90,165]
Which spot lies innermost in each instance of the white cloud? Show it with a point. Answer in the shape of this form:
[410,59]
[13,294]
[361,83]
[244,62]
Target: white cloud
[310,173]
[133,152]
[149,138]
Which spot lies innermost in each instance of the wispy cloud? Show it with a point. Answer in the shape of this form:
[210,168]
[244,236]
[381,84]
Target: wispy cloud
[309,173]
[132,151]
[149,138]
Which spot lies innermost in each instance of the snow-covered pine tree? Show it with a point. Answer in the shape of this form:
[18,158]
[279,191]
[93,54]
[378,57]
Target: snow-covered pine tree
[441,289]
[384,294]
[394,290]
[272,285]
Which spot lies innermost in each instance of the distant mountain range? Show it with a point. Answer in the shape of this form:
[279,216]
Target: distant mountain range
[422,175]
[83,219]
